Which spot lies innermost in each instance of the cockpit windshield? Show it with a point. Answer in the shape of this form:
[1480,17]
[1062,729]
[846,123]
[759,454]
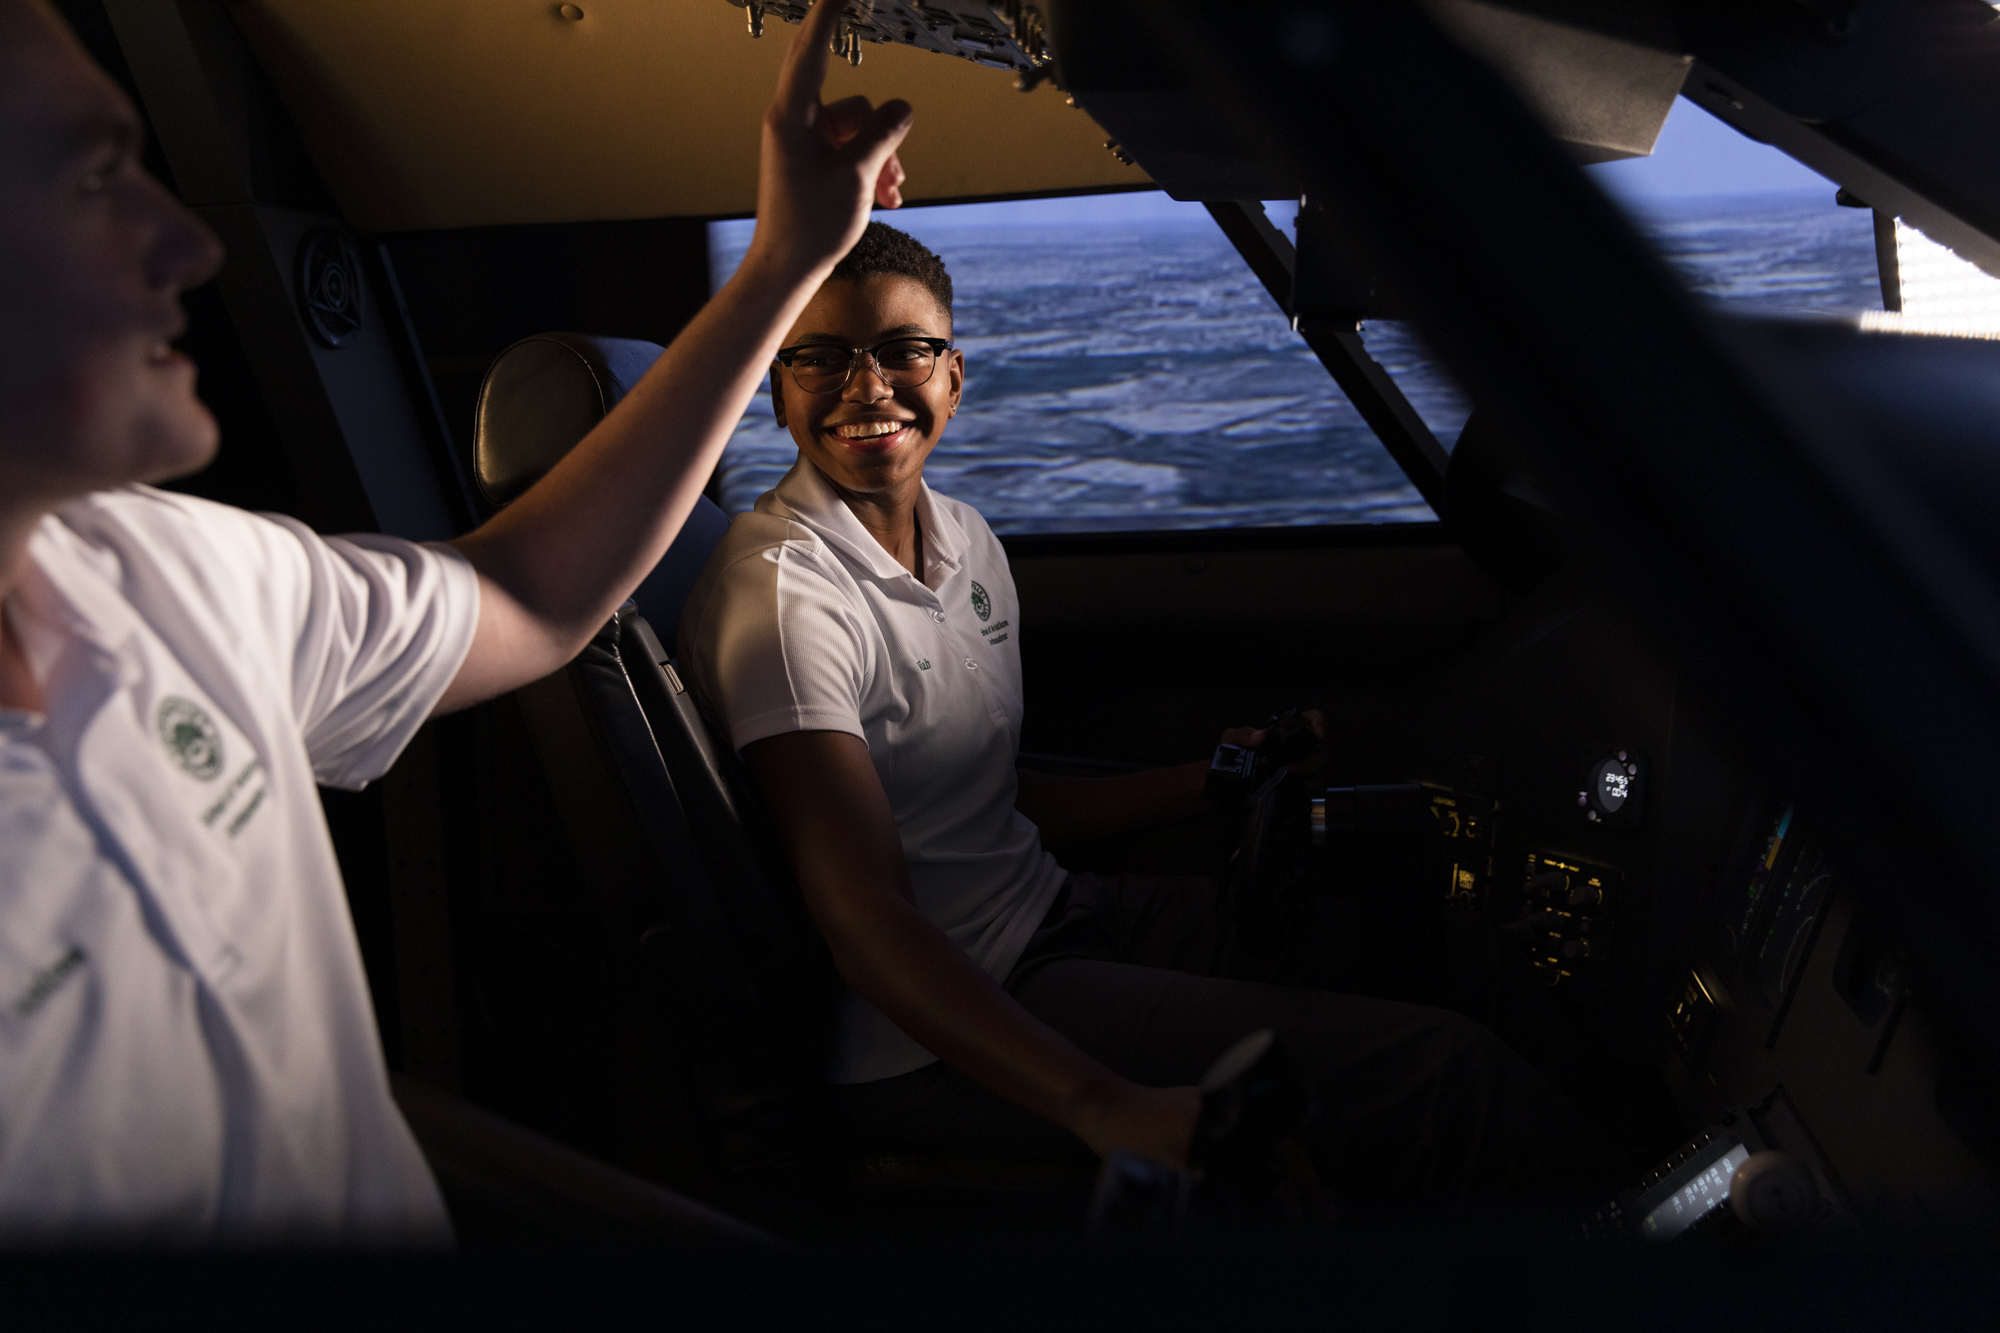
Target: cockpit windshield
[1126,370]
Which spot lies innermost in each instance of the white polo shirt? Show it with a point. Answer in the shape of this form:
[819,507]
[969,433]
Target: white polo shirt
[802,622]
[187,1050]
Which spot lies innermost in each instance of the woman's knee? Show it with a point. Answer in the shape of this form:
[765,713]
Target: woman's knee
[1411,1060]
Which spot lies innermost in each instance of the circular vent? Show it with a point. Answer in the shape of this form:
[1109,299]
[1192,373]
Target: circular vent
[330,285]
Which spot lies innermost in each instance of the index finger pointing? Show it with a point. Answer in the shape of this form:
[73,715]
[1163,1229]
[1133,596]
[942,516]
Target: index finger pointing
[805,63]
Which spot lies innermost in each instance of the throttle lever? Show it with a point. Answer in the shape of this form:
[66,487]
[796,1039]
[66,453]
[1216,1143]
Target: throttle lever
[1250,1099]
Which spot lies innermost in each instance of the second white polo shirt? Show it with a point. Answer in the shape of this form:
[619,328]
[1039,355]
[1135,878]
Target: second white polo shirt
[802,622]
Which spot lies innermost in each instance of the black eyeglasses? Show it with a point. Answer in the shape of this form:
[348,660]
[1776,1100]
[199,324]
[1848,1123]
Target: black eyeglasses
[903,363]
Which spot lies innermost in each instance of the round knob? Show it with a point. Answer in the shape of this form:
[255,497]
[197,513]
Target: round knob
[1576,948]
[1774,1191]
[1585,895]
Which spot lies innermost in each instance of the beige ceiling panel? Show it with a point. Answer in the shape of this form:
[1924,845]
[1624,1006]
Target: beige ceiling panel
[456,113]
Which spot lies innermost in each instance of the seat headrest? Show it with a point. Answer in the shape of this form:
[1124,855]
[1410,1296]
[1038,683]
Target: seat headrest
[540,397]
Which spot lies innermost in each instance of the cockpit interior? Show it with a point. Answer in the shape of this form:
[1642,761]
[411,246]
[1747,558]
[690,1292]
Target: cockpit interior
[1667,641]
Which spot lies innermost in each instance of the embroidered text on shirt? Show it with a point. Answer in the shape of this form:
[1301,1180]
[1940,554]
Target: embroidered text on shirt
[46,983]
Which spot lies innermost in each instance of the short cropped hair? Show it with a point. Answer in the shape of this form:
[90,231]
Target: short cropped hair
[884,250]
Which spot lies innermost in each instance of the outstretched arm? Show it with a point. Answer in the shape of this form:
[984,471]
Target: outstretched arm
[558,561]
[837,825]
[1068,809]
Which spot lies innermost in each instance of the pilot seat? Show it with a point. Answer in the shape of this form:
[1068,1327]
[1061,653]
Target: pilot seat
[673,1016]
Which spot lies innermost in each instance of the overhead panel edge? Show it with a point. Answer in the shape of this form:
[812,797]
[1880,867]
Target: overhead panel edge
[432,114]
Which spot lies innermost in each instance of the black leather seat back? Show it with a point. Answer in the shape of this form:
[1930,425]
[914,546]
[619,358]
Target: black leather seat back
[693,905]
[739,844]
[647,879]
[540,397]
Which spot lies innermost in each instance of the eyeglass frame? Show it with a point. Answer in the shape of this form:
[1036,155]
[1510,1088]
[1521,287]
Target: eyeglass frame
[938,346]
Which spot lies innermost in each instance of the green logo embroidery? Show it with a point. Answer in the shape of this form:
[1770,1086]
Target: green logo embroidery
[923,664]
[190,738]
[981,603]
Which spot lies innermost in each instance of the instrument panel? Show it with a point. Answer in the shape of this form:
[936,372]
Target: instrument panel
[1569,902]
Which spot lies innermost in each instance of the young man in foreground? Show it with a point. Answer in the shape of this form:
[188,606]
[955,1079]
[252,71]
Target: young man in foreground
[186,1047]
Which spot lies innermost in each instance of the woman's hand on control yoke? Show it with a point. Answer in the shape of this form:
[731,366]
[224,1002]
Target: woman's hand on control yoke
[554,565]
[1069,810]
[1252,737]
[840,832]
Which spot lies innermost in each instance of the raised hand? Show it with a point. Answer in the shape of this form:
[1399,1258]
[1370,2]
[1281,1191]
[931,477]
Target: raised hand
[822,166]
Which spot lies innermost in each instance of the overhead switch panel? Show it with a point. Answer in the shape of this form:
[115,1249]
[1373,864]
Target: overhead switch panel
[1006,34]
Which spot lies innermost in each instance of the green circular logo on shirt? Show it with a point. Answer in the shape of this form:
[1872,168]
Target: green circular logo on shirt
[981,603]
[190,737]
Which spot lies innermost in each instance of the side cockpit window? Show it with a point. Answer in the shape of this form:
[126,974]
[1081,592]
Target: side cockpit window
[1745,226]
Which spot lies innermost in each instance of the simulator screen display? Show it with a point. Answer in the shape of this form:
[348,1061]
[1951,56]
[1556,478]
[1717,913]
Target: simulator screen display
[1696,1199]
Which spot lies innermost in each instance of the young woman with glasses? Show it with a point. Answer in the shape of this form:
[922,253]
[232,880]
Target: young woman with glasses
[859,635]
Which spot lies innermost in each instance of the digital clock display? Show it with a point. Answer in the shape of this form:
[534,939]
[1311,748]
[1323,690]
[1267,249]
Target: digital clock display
[1614,785]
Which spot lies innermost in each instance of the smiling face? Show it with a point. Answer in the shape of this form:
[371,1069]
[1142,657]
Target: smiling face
[92,393]
[870,438]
